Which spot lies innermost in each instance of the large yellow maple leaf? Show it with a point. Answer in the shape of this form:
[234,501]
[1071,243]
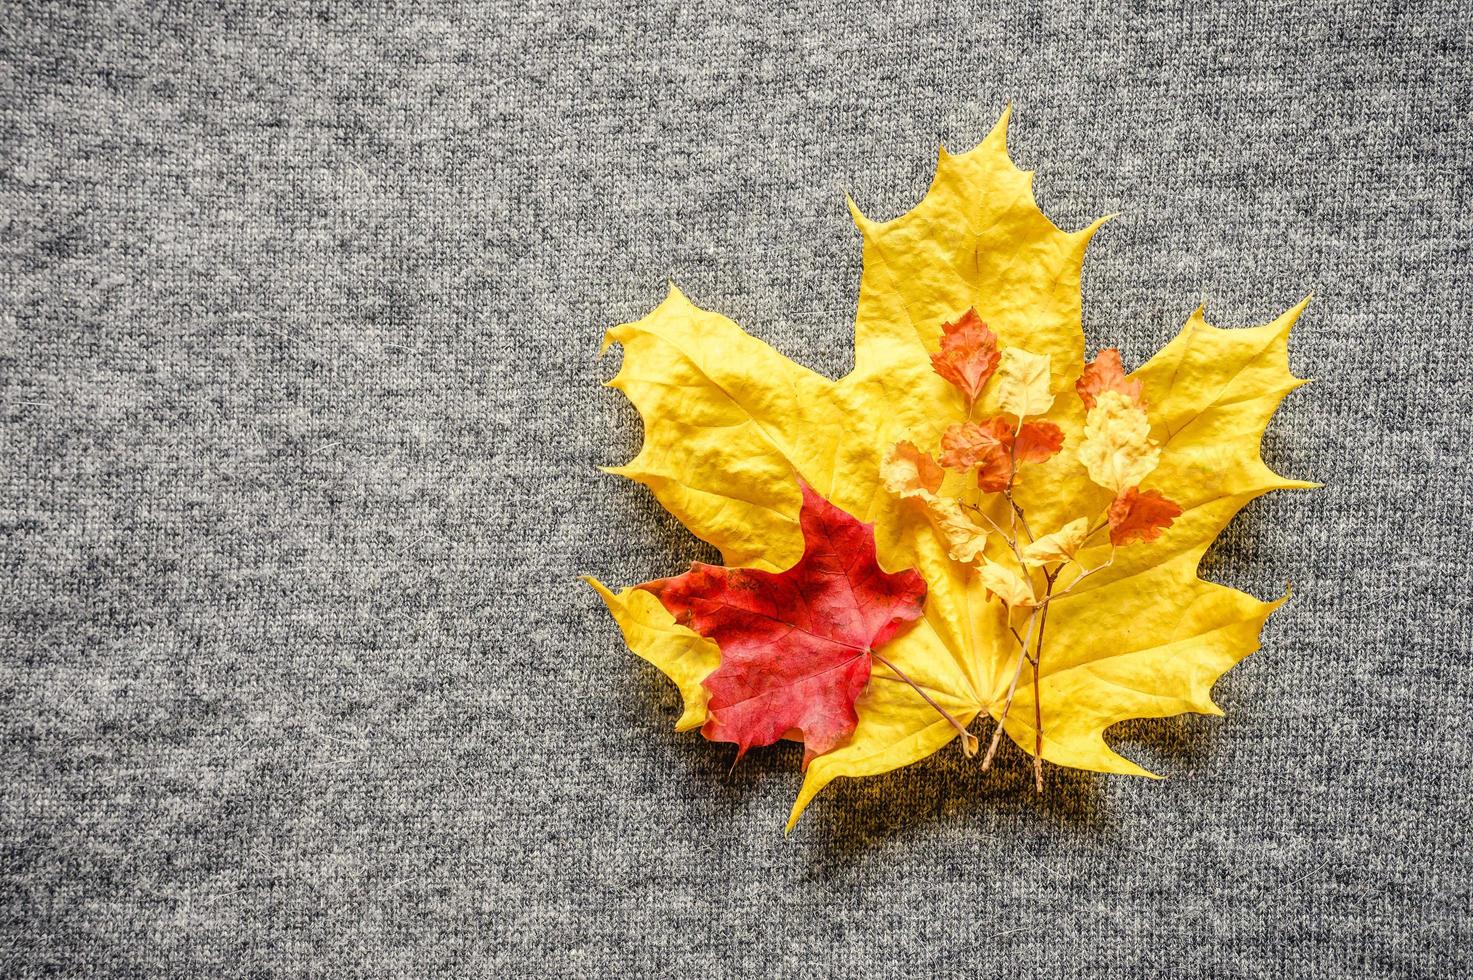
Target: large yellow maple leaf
[729,422]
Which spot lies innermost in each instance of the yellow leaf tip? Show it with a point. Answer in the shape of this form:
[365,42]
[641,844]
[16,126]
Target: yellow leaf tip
[1212,708]
[1136,769]
[1088,231]
[996,140]
[604,592]
[616,335]
[1285,483]
[1288,594]
[1291,316]
[860,220]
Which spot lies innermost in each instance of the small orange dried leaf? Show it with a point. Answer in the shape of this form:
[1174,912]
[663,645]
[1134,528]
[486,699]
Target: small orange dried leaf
[992,447]
[968,355]
[995,472]
[1138,516]
[1037,442]
[907,472]
[966,444]
[985,445]
[1106,373]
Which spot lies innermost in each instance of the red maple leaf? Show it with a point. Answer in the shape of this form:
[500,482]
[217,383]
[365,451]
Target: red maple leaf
[1137,516]
[796,645]
[993,448]
[968,354]
[1106,373]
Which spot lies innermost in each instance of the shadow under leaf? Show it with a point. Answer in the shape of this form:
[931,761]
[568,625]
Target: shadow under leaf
[853,816]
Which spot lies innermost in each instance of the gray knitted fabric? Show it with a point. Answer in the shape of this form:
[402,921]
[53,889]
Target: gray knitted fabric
[302,422]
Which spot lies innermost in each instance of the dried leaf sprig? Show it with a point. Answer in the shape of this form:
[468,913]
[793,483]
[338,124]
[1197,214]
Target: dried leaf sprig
[1023,573]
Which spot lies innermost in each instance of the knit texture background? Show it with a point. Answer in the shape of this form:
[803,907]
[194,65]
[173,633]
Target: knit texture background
[302,418]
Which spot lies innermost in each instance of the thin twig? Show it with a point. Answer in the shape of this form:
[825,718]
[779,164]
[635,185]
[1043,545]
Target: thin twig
[1082,576]
[1012,478]
[969,741]
[1037,692]
[1010,537]
[1012,689]
[1021,519]
[1037,726]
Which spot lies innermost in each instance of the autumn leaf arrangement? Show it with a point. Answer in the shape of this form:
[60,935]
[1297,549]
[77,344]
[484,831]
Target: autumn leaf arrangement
[1117,453]
[976,522]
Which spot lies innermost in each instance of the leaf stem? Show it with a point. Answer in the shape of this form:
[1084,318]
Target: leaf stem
[1019,511]
[1012,689]
[1011,539]
[1082,576]
[1050,577]
[969,741]
[1040,615]
[1008,490]
[1037,724]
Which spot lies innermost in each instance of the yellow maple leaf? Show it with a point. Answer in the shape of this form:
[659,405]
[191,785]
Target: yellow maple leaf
[728,422]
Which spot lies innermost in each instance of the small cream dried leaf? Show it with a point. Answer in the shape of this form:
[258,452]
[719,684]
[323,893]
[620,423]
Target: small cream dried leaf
[1117,451]
[1061,545]
[1006,584]
[965,538]
[1023,383]
[908,473]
